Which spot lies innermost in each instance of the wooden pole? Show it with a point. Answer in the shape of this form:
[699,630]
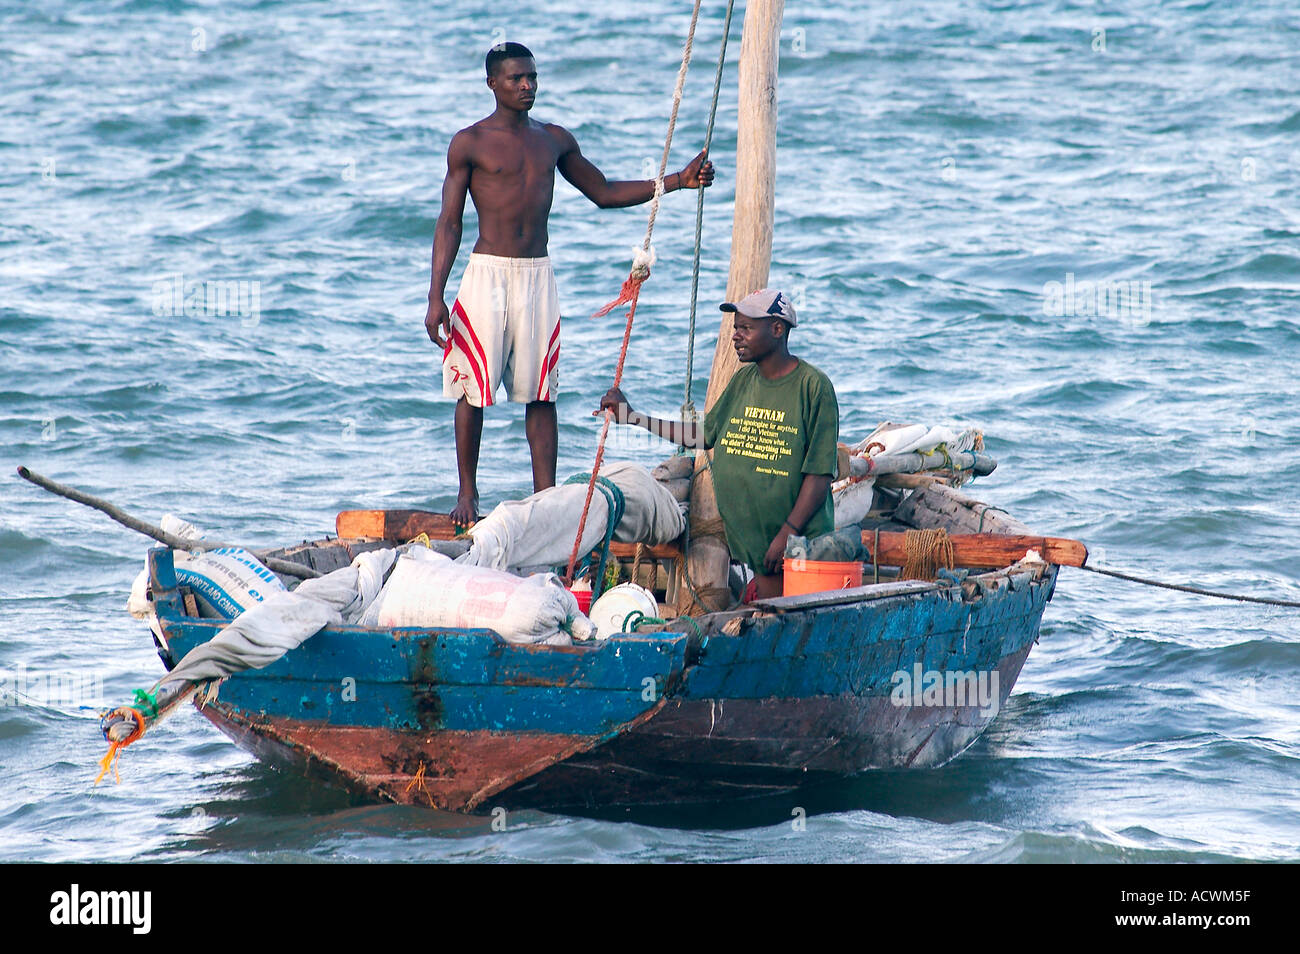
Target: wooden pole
[980,549]
[751,257]
[751,229]
[158,533]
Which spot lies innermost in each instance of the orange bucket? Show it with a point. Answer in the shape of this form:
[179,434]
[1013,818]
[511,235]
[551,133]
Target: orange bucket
[818,576]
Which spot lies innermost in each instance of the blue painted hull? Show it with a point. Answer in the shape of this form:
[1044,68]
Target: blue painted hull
[809,697]
[464,721]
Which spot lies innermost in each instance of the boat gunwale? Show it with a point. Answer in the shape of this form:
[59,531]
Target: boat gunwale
[170,615]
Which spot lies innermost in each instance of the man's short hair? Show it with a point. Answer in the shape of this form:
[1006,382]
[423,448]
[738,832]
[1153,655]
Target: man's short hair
[505,51]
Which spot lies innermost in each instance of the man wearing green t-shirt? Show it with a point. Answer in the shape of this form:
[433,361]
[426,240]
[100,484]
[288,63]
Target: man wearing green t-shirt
[773,431]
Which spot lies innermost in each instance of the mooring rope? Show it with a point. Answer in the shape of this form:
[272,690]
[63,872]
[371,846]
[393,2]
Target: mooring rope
[1191,589]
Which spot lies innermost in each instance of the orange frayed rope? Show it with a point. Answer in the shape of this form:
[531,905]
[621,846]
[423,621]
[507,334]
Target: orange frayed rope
[642,259]
[115,746]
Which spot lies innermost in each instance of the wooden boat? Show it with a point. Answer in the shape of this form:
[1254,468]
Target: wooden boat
[752,701]
[745,702]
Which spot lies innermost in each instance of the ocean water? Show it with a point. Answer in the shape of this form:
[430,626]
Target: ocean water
[955,183]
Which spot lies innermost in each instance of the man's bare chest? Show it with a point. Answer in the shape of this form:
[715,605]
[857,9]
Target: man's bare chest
[503,160]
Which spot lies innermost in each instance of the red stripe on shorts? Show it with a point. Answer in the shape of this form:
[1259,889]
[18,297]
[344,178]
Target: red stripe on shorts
[473,366]
[547,365]
[487,380]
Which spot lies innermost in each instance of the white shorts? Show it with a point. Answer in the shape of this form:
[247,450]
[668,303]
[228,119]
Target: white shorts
[505,329]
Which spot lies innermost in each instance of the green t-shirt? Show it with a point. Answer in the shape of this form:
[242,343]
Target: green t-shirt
[767,435]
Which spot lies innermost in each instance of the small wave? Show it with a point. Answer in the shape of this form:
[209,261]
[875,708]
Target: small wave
[1290,124]
[391,223]
[1033,847]
[250,222]
[32,557]
[1267,266]
[1097,392]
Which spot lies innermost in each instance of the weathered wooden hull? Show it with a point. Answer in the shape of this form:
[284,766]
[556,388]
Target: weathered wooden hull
[464,721]
[809,697]
[447,769]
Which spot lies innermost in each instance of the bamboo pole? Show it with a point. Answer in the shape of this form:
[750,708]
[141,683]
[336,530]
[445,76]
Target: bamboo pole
[751,255]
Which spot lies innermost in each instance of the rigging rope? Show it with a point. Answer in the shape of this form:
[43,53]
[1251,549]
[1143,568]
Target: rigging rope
[645,256]
[688,406]
[632,286]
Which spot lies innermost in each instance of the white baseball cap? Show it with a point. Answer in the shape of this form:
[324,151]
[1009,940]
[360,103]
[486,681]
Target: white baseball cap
[764,303]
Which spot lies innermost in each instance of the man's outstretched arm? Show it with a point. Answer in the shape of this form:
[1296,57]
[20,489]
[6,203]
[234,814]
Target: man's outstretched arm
[591,182]
[446,238]
[682,433]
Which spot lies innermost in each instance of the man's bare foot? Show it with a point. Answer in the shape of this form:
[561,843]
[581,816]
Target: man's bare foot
[465,513]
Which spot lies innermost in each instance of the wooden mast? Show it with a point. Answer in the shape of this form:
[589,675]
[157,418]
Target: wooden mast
[751,256]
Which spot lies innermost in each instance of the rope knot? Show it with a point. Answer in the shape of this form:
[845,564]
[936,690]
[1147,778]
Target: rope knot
[642,258]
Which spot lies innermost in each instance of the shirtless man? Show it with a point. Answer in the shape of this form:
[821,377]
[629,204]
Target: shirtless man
[505,324]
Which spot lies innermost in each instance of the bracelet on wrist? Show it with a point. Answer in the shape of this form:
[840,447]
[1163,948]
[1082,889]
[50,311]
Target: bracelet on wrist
[796,530]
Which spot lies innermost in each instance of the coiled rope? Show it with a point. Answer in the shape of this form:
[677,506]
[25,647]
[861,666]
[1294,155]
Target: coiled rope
[636,618]
[925,552]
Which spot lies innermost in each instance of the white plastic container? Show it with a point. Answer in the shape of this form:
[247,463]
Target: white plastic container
[613,607]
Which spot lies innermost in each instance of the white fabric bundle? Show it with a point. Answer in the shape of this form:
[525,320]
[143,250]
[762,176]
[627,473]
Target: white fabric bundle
[853,498]
[284,620]
[539,530]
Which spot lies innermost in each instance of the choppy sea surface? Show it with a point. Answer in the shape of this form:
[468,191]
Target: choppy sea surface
[955,183]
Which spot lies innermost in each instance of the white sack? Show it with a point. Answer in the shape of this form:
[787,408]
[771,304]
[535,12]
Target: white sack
[137,604]
[225,582]
[852,501]
[431,590]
